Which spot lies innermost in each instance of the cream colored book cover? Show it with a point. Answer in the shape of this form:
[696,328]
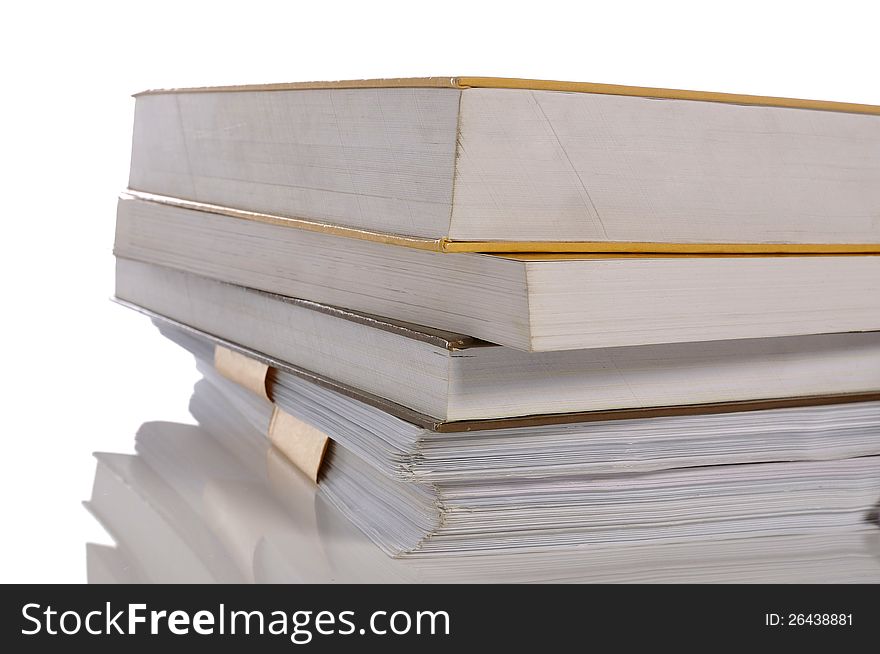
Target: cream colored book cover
[480,164]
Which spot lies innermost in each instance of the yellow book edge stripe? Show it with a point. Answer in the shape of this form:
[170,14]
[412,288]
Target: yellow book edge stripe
[544,249]
[563,248]
[435,245]
[666,94]
[542,85]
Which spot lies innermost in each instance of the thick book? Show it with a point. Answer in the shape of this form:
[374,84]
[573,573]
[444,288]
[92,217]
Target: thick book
[526,301]
[453,382]
[412,452]
[270,526]
[553,498]
[482,164]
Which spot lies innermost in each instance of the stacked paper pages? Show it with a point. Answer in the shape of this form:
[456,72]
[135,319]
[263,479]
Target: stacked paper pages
[195,506]
[491,321]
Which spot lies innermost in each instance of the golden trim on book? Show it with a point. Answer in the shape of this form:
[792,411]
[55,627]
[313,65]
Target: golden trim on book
[299,223]
[466,82]
[383,83]
[570,249]
[560,249]
[666,94]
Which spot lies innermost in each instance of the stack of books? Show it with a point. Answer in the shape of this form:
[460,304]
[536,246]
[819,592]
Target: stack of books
[498,318]
[202,506]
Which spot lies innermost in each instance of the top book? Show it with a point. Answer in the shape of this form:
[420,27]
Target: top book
[505,165]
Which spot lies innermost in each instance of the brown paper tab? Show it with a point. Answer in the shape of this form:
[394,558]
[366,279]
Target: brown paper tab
[243,370]
[303,444]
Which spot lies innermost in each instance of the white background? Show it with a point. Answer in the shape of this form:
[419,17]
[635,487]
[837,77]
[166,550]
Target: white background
[81,374]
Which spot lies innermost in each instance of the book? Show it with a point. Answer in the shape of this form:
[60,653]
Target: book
[449,383]
[641,444]
[483,164]
[415,493]
[279,530]
[536,302]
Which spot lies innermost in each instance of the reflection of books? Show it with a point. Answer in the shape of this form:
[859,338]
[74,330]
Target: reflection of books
[279,531]
[186,509]
[106,564]
[162,531]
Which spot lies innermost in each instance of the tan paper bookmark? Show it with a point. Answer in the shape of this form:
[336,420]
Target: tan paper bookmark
[303,444]
[243,370]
